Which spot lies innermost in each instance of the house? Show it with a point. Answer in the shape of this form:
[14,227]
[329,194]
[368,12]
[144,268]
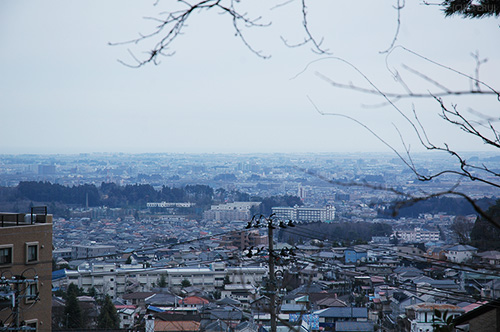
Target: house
[127,314]
[491,289]
[352,255]
[229,315]
[436,253]
[137,298]
[460,253]
[401,300]
[163,300]
[158,324]
[244,293]
[403,273]
[174,326]
[328,317]
[421,317]
[329,301]
[354,326]
[193,302]
[491,257]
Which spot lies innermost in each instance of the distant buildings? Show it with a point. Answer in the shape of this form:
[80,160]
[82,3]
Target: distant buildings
[305,213]
[417,235]
[231,211]
[93,250]
[244,240]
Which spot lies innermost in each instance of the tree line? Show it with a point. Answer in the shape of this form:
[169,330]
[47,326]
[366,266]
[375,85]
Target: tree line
[345,233]
[448,205]
[134,196]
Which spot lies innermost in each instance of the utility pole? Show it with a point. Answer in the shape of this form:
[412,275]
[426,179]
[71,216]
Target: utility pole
[271,283]
[272,278]
[10,288]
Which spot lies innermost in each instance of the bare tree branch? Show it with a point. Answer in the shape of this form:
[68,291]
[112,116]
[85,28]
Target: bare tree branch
[400,4]
[171,27]
[317,48]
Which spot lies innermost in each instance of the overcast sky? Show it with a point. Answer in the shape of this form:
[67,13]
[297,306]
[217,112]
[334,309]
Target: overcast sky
[62,89]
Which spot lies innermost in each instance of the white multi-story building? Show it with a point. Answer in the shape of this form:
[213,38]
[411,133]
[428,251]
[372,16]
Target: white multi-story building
[305,213]
[417,235]
[113,281]
[230,211]
[93,250]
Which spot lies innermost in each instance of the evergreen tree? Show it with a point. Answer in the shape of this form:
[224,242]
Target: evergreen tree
[472,9]
[72,290]
[485,235]
[162,281]
[108,317]
[73,312]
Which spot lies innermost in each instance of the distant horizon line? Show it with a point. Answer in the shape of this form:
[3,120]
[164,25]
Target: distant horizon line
[234,153]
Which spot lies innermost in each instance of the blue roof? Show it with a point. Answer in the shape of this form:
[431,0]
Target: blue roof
[155,309]
[58,274]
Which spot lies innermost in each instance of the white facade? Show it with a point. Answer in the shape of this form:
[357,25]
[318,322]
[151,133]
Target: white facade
[417,235]
[230,211]
[422,315]
[107,279]
[460,253]
[305,213]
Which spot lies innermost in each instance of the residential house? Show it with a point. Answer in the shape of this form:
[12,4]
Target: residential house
[420,317]
[352,255]
[193,302]
[460,253]
[328,317]
[402,299]
[491,257]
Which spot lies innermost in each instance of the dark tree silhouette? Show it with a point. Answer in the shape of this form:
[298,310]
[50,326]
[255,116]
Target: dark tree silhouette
[472,9]
[108,317]
[73,312]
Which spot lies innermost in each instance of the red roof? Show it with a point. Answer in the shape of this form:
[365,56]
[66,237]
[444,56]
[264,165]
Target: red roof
[176,326]
[125,306]
[194,300]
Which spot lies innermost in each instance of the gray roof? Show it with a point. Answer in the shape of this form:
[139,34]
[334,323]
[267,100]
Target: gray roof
[343,312]
[229,301]
[461,247]
[353,326]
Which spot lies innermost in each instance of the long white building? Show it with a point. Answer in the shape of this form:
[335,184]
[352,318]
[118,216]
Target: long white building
[305,213]
[417,235]
[115,281]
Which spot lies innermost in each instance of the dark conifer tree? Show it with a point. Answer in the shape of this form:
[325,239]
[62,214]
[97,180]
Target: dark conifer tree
[73,312]
[108,317]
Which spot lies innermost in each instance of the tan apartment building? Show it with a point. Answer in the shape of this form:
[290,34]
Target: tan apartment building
[26,270]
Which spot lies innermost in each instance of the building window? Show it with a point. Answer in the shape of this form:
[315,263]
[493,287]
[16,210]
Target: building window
[6,254]
[32,324]
[31,252]
[31,293]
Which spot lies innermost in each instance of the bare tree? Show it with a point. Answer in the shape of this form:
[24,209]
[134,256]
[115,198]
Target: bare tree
[462,227]
[479,125]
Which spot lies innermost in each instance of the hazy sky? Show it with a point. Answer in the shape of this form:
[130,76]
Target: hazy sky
[62,89]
